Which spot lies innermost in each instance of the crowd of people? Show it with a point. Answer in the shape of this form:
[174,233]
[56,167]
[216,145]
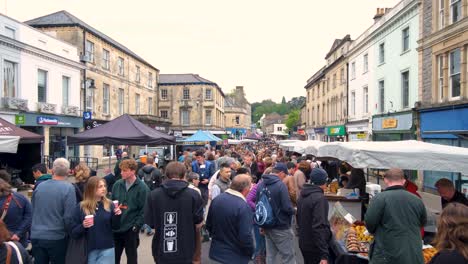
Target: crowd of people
[249,201]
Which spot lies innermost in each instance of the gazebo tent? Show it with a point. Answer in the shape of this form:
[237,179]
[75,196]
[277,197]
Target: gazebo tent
[26,137]
[9,144]
[202,136]
[123,130]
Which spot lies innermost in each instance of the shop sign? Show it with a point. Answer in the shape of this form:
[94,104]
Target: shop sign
[20,119]
[87,115]
[177,133]
[319,130]
[361,136]
[90,124]
[41,120]
[389,123]
[336,131]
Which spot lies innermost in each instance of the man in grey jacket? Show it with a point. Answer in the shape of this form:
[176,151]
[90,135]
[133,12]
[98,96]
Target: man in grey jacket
[53,202]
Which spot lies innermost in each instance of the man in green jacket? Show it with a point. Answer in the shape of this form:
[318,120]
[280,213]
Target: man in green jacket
[131,194]
[395,218]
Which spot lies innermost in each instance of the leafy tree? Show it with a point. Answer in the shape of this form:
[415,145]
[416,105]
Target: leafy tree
[292,120]
[283,101]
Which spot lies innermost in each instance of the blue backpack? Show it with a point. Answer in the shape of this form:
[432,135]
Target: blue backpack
[264,215]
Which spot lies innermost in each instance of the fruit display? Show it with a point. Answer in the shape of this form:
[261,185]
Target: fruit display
[362,234]
[428,253]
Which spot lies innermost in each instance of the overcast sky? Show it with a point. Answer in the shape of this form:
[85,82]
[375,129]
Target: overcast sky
[270,47]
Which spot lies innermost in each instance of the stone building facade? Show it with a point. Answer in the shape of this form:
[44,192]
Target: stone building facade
[192,103]
[238,113]
[326,103]
[118,81]
[443,80]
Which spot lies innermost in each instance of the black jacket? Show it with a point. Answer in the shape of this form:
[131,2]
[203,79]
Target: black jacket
[457,198]
[448,256]
[281,204]
[312,218]
[173,210]
[155,174]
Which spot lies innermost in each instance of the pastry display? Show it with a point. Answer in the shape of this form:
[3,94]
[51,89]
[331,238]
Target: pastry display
[428,253]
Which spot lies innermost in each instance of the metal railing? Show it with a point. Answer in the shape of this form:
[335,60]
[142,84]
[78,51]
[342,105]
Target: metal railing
[92,163]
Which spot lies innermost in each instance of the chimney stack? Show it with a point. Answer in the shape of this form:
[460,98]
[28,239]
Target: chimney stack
[380,13]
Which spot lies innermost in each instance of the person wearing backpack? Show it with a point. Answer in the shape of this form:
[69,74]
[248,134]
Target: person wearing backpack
[273,213]
[16,213]
[150,175]
[11,252]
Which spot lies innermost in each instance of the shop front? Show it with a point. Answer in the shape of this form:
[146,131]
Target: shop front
[393,127]
[236,132]
[358,131]
[445,126]
[319,133]
[310,133]
[55,130]
[336,133]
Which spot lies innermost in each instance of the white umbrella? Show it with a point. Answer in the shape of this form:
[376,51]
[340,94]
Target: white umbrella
[9,144]
[407,154]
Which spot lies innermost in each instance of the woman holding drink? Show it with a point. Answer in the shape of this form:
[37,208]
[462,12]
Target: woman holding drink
[95,217]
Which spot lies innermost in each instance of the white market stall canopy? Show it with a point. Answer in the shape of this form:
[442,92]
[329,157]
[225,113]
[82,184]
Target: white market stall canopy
[9,144]
[407,154]
[303,147]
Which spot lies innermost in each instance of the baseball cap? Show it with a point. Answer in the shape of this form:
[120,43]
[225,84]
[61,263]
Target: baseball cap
[281,167]
[318,176]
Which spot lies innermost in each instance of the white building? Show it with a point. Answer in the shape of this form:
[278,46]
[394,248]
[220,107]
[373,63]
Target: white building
[383,75]
[40,84]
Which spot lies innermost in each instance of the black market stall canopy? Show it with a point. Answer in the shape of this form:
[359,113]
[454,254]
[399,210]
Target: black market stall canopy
[26,137]
[123,130]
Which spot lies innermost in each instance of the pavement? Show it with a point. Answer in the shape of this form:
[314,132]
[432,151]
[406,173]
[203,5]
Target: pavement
[145,255]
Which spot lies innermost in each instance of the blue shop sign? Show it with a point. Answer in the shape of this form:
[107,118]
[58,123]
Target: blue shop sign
[51,120]
[319,130]
[239,131]
[446,123]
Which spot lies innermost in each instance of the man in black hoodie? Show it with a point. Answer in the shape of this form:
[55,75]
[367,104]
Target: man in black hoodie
[174,210]
[150,175]
[312,217]
[279,236]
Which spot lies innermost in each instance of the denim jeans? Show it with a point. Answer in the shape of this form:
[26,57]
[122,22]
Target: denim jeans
[146,228]
[49,251]
[259,242]
[280,243]
[101,256]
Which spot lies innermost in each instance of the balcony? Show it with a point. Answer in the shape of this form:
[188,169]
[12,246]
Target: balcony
[46,108]
[71,110]
[15,103]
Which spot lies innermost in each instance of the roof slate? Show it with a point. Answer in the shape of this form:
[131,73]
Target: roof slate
[64,18]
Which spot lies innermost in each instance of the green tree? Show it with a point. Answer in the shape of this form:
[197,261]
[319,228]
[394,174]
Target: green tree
[283,101]
[292,120]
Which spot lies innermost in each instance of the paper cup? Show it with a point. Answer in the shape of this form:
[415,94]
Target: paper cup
[90,218]
[116,203]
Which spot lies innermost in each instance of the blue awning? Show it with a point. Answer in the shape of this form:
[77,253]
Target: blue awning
[447,123]
[202,136]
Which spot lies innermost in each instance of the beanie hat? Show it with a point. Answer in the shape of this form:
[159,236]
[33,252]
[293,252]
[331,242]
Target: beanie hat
[318,176]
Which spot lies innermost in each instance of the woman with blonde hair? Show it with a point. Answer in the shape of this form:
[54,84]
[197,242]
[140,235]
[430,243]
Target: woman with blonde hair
[452,235]
[95,217]
[82,173]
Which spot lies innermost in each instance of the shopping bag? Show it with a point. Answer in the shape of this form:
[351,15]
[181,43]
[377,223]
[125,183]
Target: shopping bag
[77,251]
